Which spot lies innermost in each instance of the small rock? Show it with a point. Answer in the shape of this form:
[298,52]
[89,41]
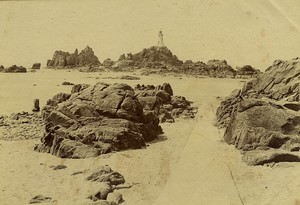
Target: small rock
[67,83]
[36,105]
[115,197]
[103,190]
[40,199]
[61,166]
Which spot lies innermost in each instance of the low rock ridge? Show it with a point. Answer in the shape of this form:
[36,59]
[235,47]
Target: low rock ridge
[264,114]
[65,59]
[13,69]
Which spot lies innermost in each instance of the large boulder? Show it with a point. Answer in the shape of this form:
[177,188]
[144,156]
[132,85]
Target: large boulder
[95,120]
[260,125]
[264,114]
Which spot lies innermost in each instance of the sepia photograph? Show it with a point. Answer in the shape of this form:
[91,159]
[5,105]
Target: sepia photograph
[137,102]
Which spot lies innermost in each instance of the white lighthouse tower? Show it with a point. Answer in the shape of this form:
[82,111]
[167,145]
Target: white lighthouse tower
[160,39]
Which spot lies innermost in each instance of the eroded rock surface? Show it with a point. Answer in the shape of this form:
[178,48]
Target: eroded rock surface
[94,120]
[161,100]
[66,59]
[264,114]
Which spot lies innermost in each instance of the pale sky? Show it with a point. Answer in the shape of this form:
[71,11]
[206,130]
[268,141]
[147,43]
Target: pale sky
[254,32]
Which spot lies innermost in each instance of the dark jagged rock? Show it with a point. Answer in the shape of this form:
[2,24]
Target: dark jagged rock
[36,66]
[15,69]
[1,68]
[65,59]
[96,120]
[264,114]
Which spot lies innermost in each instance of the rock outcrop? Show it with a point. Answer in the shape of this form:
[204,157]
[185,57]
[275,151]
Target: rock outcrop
[153,57]
[15,69]
[94,120]
[213,68]
[36,66]
[160,99]
[247,71]
[263,115]
[66,59]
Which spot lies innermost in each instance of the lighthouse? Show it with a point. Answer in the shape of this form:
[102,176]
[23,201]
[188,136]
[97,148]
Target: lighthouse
[160,39]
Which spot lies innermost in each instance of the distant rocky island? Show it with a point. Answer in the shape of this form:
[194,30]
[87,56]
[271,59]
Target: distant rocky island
[154,60]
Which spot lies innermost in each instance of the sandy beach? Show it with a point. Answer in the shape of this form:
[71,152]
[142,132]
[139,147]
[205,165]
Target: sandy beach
[189,163]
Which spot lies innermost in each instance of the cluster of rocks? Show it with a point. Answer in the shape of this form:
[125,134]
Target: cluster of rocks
[218,68]
[94,120]
[107,184]
[109,181]
[13,69]
[264,115]
[66,59]
[21,126]
[160,60]
[19,69]
[162,102]
[213,68]
[156,59]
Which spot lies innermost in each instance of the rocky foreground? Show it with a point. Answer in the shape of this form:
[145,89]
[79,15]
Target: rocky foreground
[263,118]
[102,118]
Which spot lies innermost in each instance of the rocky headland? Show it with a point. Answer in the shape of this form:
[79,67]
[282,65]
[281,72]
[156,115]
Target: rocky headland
[262,118]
